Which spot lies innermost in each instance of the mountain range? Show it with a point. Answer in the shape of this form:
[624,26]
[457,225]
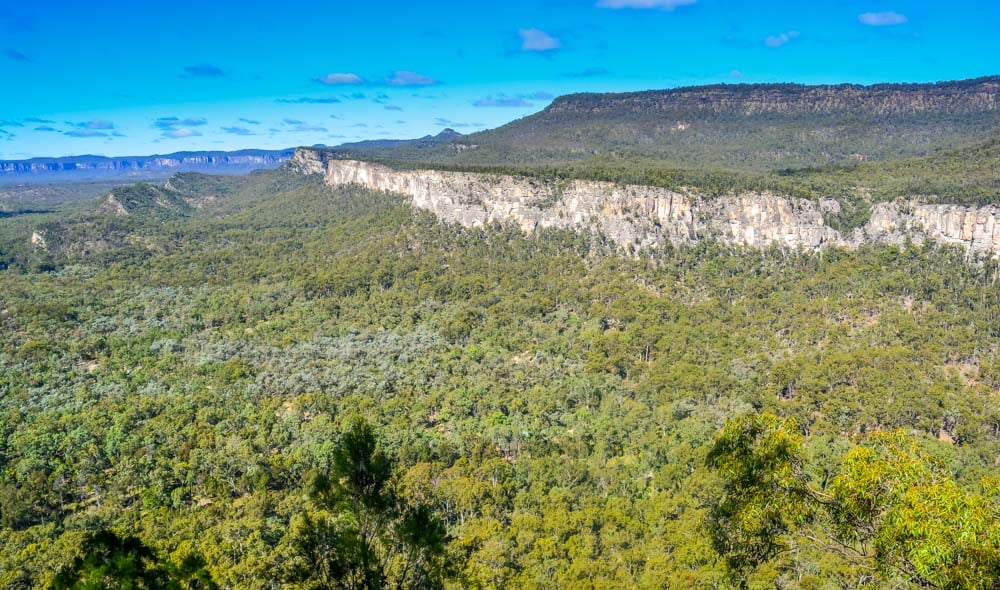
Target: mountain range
[89,168]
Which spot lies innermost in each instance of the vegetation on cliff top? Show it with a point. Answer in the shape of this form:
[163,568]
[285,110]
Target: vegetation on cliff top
[739,127]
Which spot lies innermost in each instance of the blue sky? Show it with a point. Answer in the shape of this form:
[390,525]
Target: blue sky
[117,77]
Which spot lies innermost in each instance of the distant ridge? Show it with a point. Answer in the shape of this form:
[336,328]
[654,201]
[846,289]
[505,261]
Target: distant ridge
[750,127]
[951,97]
[425,141]
[89,168]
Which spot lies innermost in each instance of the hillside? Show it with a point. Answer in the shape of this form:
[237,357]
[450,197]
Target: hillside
[615,371]
[743,127]
[553,402]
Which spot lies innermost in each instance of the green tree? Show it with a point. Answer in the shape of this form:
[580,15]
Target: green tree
[360,533]
[893,510]
[109,561]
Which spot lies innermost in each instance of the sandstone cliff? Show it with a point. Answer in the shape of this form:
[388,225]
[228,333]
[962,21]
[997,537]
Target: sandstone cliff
[644,217]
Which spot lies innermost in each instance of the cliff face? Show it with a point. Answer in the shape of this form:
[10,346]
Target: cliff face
[644,217]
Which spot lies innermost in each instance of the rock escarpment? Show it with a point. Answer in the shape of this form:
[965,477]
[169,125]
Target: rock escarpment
[645,217]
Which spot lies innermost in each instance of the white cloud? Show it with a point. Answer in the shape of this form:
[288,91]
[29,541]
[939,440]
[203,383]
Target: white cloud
[881,19]
[662,4]
[779,40]
[171,122]
[538,40]
[181,133]
[85,133]
[308,128]
[95,124]
[503,100]
[340,79]
[404,78]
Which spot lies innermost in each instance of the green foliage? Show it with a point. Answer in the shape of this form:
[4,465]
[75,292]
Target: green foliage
[892,508]
[108,561]
[760,463]
[745,127]
[365,535]
[551,402]
[894,497]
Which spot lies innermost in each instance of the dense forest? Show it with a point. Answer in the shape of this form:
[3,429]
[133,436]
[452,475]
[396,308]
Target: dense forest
[746,127]
[279,384]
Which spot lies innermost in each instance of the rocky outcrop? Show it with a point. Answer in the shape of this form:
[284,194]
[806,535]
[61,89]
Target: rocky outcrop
[975,229]
[644,217]
[38,241]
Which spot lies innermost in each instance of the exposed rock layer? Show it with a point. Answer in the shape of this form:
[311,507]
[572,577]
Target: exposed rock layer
[644,217]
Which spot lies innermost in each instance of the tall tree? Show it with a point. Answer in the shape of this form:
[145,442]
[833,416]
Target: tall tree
[359,532]
[892,510]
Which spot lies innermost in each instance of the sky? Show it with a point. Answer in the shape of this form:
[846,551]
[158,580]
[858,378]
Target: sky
[112,77]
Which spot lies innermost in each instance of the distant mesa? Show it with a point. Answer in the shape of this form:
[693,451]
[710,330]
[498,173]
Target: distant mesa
[753,127]
[444,136]
[89,168]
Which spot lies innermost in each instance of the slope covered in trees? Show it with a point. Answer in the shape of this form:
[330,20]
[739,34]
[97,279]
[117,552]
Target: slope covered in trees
[555,405]
[755,127]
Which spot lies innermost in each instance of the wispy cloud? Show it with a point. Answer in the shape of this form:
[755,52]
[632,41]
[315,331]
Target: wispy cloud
[587,73]
[661,4]
[406,78]
[16,55]
[98,124]
[513,101]
[537,40]
[340,79]
[779,40]
[85,133]
[392,107]
[237,131]
[882,19]
[171,122]
[249,121]
[502,100]
[309,100]
[11,124]
[202,71]
[180,133]
[46,128]
[37,120]
[456,124]
[298,125]
[306,127]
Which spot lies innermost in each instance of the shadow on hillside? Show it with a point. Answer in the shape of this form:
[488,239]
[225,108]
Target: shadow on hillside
[6,214]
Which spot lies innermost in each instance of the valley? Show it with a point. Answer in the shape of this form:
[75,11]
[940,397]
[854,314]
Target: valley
[526,357]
